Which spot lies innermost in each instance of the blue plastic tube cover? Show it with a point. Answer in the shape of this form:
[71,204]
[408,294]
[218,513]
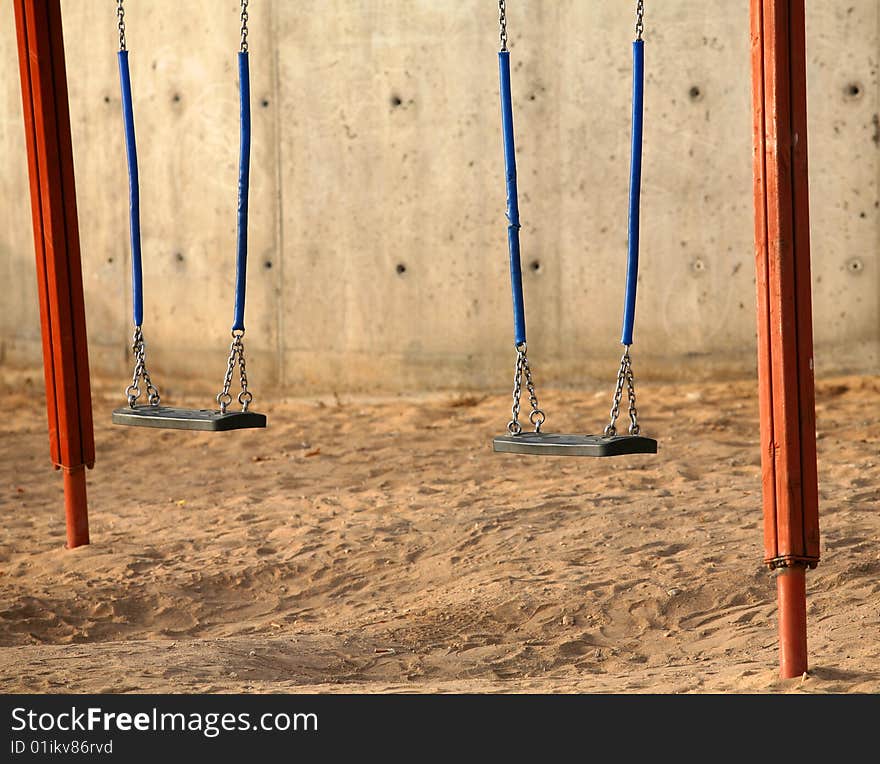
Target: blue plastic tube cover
[244,164]
[519,317]
[635,184]
[137,278]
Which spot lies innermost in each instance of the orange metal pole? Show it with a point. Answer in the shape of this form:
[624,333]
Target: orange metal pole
[56,244]
[76,506]
[791,597]
[784,309]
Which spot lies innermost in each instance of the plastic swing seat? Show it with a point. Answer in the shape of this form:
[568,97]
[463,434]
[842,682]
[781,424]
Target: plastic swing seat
[555,444]
[170,418]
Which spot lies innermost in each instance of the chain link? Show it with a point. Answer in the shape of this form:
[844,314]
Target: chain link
[634,428]
[624,377]
[244,26]
[133,391]
[536,415]
[502,21]
[513,426]
[640,19]
[236,355]
[120,23]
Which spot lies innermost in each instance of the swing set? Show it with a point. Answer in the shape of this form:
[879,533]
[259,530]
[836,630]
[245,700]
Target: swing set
[782,261]
[151,414]
[538,443]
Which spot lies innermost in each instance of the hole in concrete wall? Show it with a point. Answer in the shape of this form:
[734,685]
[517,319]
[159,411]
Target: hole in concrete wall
[176,98]
[178,256]
[535,265]
[401,269]
[267,265]
[695,94]
[396,100]
[106,99]
[852,90]
[265,103]
[698,265]
[110,260]
[855,265]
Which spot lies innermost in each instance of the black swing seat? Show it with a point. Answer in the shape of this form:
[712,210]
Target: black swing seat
[172,418]
[554,444]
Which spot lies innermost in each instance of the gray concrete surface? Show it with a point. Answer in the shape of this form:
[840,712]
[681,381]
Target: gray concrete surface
[377,236]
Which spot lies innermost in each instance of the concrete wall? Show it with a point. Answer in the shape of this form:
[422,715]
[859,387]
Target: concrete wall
[377,236]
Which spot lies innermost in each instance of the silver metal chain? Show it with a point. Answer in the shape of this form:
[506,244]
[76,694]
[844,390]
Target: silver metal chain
[502,21]
[120,23]
[244,26]
[536,415]
[624,377]
[640,19]
[133,391]
[236,355]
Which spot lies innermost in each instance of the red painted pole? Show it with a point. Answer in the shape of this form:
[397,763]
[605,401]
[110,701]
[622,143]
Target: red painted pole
[784,308]
[75,506]
[791,596]
[56,245]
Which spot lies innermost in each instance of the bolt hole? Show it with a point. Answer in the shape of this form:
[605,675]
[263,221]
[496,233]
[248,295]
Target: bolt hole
[698,266]
[853,90]
[265,103]
[110,260]
[855,265]
[267,265]
[535,265]
[178,256]
[106,99]
[401,269]
[176,98]
[396,101]
[695,94]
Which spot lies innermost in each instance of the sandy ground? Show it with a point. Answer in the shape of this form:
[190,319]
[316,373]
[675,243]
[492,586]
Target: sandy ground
[381,546]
